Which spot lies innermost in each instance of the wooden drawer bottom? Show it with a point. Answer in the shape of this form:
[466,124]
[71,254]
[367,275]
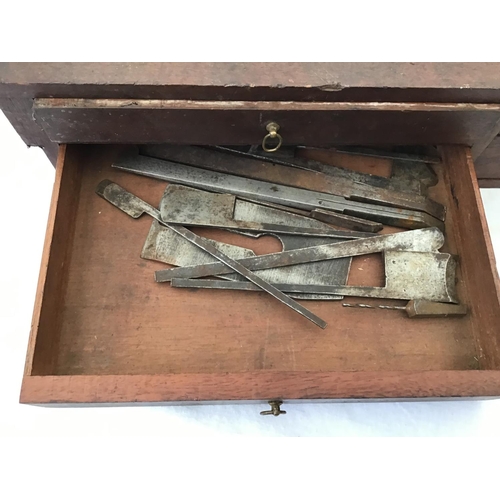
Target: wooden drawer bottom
[105,332]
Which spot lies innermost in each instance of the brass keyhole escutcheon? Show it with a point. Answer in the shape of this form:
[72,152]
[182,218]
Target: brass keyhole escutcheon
[273,135]
[275,409]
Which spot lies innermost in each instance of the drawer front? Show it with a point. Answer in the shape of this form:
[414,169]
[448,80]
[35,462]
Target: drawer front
[113,121]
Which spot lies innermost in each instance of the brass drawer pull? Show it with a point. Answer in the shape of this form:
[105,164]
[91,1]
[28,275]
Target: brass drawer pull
[272,128]
[275,409]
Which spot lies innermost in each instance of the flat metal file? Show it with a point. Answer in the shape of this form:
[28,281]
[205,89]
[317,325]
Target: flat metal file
[135,207]
[315,181]
[428,276]
[420,240]
[195,207]
[274,193]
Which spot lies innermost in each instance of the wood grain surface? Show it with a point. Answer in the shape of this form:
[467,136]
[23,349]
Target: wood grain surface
[424,82]
[46,322]
[20,83]
[261,385]
[477,259]
[112,121]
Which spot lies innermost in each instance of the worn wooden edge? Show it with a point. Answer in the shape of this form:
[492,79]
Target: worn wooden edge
[44,265]
[258,386]
[331,77]
[472,231]
[19,112]
[51,103]
[417,82]
[56,256]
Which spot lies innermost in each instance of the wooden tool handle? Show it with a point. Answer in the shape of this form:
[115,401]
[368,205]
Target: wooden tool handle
[427,309]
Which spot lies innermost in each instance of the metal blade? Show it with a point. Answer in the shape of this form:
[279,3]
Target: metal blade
[409,276]
[164,245]
[195,207]
[406,182]
[219,161]
[284,195]
[131,204]
[419,240]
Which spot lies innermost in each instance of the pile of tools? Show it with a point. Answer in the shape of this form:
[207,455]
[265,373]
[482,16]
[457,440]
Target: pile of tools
[297,200]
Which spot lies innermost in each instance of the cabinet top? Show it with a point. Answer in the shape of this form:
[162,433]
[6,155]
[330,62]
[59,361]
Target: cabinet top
[419,82]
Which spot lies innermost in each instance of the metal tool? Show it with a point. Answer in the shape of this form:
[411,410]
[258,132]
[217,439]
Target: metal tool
[167,246]
[407,176]
[322,273]
[391,155]
[219,161]
[349,222]
[421,309]
[420,240]
[135,207]
[340,220]
[195,207]
[164,245]
[274,193]
[408,276]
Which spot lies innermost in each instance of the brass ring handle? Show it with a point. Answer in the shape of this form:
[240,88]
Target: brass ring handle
[272,128]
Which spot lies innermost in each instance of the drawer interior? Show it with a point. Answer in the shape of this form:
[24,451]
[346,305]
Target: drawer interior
[100,312]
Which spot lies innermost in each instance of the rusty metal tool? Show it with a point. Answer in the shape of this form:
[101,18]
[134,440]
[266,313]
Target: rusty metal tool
[219,161]
[349,222]
[408,276]
[407,176]
[421,309]
[331,272]
[420,240]
[195,207]
[165,245]
[135,207]
[340,220]
[274,193]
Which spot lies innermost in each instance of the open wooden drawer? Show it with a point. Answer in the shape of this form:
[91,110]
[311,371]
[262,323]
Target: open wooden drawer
[104,332]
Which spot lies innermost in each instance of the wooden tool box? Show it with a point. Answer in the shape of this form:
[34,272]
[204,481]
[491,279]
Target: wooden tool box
[104,332]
